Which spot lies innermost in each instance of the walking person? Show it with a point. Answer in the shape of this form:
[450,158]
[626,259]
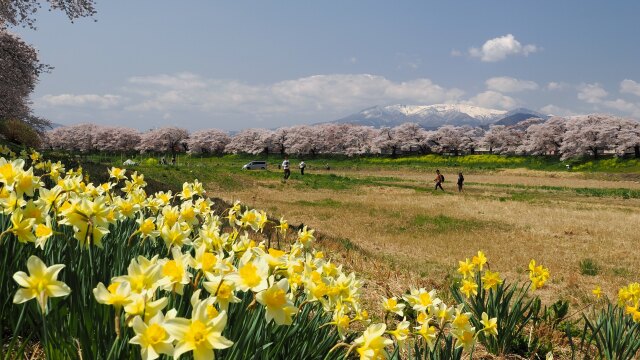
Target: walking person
[438,180]
[460,181]
[285,166]
[302,166]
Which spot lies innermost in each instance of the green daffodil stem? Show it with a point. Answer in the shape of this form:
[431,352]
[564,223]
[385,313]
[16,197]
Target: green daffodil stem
[337,346]
[17,329]
[113,348]
[45,336]
[130,240]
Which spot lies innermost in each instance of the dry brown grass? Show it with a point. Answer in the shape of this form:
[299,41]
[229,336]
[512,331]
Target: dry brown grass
[411,237]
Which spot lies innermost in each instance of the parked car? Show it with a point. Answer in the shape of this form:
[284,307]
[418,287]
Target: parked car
[255,165]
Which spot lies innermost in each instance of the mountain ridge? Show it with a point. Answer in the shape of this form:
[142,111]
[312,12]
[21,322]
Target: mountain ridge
[437,115]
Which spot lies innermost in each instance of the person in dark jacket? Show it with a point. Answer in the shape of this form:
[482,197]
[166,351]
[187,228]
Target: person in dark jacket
[460,181]
[438,180]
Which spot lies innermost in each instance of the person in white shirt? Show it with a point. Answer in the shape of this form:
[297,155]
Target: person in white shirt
[302,166]
[285,166]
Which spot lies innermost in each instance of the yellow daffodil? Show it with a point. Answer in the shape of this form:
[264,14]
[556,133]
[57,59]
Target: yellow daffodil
[117,173]
[391,305]
[491,280]
[465,337]
[597,292]
[175,235]
[198,334]
[422,299]
[251,276]
[152,337]
[479,260]
[41,283]
[469,288]
[283,226]
[372,343]
[466,268]
[305,236]
[175,272]
[22,227]
[278,305]
[429,333]
[401,333]
[116,295]
[490,325]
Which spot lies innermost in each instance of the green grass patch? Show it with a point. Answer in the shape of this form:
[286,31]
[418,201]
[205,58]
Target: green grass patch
[592,192]
[589,267]
[320,203]
[444,223]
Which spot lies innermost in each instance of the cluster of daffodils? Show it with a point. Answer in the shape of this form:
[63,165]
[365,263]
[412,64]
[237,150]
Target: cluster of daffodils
[224,269]
[223,258]
[538,275]
[469,268]
[629,298]
[425,318]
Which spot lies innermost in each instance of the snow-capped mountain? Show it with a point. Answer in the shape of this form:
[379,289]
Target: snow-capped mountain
[432,116]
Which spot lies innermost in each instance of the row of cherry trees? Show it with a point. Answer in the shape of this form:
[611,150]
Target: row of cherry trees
[569,137]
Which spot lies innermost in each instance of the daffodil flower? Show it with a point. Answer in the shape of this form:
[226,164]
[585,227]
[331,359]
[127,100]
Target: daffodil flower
[391,305]
[490,325]
[152,336]
[199,334]
[372,342]
[278,305]
[41,283]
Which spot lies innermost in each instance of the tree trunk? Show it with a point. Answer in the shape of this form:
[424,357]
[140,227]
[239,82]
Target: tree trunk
[636,150]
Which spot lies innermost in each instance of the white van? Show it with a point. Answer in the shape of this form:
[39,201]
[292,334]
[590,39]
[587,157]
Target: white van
[255,164]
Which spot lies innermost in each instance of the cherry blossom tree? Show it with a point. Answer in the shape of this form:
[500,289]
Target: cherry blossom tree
[545,138]
[211,141]
[22,12]
[306,140]
[116,139]
[628,137]
[166,139]
[278,140]
[19,71]
[502,139]
[387,141]
[356,140]
[413,137]
[79,138]
[455,139]
[250,141]
[590,134]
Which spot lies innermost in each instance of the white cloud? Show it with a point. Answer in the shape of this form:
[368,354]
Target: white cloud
[556,110]
[493,99]
[499,48]
[509,84]
[83,100]
[592,93]
[456,53]
[624,106]
[630,87]
[553,85]
[353,60]
[322,96]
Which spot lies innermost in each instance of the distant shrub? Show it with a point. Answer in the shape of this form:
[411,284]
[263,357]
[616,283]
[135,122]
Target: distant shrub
[589,267]
[151,161]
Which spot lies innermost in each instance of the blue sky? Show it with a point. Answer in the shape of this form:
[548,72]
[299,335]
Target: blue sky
[232,65]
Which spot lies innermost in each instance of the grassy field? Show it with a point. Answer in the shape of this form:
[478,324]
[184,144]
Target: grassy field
[383,218]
